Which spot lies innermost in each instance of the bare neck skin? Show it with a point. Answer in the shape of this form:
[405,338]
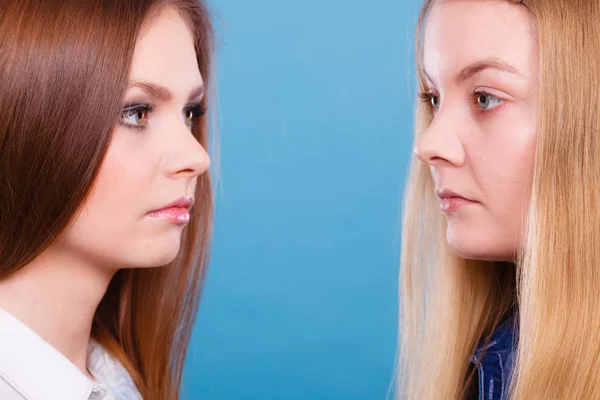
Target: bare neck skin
[56,295]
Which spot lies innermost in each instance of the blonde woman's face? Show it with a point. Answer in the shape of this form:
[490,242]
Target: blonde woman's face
[480,62]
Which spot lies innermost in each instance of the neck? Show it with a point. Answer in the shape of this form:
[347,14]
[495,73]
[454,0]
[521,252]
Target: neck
[56,295]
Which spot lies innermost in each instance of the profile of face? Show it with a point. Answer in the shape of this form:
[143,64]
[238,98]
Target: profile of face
[139,203]
[480,60]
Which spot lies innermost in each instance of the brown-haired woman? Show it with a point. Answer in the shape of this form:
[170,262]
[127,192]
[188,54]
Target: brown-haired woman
[102,154]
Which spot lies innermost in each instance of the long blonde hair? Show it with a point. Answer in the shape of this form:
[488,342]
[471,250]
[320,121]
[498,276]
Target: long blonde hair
[448,304]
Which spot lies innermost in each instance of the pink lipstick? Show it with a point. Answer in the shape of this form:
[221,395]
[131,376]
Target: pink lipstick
[177,212]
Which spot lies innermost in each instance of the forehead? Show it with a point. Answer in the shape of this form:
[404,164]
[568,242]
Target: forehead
[165,49]
[459,32]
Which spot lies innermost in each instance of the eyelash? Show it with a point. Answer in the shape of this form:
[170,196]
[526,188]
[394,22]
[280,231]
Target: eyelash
[197,112]
[133,109]
[426,97]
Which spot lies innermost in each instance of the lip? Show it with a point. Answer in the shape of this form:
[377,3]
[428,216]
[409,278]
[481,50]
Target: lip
[181,202]
[177,211]
[451,201]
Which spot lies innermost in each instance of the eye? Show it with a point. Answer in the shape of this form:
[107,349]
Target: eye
[189,116]
[136,116]
[486,101]
[431,100]
[192,113]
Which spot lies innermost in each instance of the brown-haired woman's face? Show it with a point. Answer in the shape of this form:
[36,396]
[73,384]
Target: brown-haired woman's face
[153,159]
[480,62]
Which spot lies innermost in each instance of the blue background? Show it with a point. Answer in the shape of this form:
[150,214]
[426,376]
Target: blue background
[315,107]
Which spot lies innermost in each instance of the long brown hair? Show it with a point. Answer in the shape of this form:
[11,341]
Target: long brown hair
[64,67]
[447,304]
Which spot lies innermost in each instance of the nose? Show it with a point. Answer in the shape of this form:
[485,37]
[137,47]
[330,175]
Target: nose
[440,142]
[188,159]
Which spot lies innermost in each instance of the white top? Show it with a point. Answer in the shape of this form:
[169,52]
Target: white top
[31,369]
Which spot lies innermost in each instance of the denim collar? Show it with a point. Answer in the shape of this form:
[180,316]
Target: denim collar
[495,367]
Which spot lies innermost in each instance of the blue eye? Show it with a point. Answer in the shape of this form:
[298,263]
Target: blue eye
[136,116]
[486,101]
[431,100]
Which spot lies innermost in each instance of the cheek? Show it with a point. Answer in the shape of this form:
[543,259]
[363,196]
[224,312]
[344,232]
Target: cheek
[505,174]
[119,188]
[502,169]
[110,226]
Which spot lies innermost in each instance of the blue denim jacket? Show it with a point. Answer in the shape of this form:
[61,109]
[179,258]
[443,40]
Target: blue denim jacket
[495,369]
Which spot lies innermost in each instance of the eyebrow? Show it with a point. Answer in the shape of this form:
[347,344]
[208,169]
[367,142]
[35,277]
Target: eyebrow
[481,65]
[161,92]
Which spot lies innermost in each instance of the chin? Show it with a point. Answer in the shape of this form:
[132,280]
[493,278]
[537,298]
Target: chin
[158,254]
[476,247]
[159,260]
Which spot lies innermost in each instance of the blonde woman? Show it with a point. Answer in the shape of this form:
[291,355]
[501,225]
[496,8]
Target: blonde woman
[500,276]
